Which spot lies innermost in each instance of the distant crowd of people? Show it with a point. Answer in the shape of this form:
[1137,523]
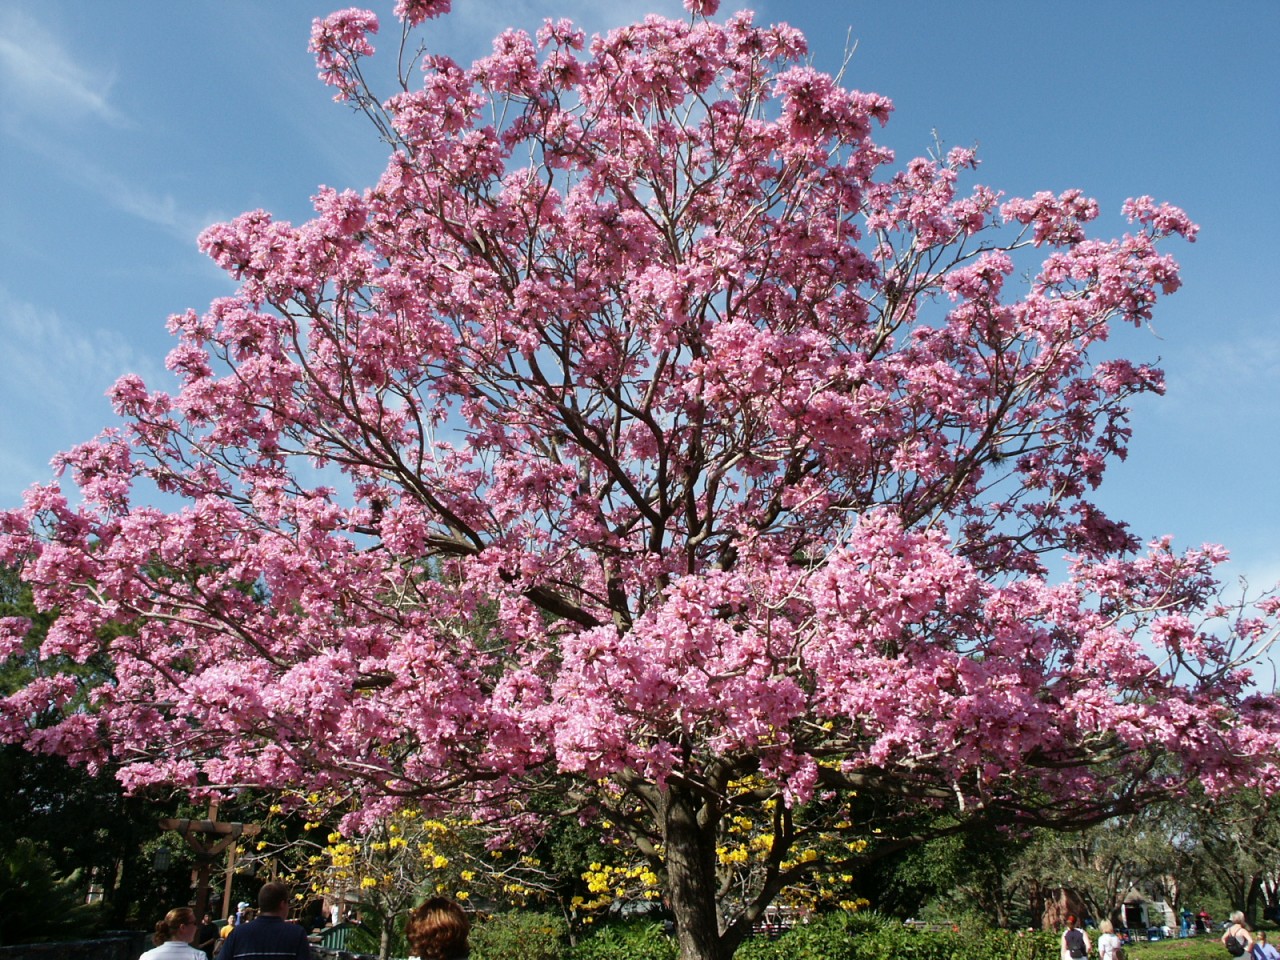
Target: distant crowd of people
[1191,924]
[437,930]
[1239,940]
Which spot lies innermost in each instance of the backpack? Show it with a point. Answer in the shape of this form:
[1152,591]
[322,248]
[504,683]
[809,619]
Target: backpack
[1075,944]
[1234,946]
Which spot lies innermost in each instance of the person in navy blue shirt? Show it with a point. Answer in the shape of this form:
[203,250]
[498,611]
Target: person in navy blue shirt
[270,936]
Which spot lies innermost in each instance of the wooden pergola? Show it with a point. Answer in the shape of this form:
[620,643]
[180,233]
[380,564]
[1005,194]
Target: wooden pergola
[210,839]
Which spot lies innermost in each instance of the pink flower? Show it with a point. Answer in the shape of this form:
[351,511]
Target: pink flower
[1164,219]
[416,11]
[338,41]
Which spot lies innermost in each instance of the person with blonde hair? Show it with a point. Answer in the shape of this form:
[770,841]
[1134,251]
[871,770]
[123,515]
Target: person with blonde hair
[173,937]
[1237,938]
[438,930]
[1108,942]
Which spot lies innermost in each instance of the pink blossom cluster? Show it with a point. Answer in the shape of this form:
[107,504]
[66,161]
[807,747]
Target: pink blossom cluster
[1058,221]
[415,12]
[1165,219]
[341,38]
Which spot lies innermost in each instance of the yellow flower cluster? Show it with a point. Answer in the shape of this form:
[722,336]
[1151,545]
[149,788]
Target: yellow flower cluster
[608,882]
[748,845]
[404,848]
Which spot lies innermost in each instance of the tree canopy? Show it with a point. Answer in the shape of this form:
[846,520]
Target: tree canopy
[649,436]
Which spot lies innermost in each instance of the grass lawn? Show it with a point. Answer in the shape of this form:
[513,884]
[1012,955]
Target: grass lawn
[1203,947]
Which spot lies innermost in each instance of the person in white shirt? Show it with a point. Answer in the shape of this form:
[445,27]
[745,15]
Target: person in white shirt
[1108,943]
[1263,950]
[173,937]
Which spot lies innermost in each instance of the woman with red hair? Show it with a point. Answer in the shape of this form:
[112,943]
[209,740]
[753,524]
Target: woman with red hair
[438,930]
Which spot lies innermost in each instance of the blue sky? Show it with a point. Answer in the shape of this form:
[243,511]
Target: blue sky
[127,127]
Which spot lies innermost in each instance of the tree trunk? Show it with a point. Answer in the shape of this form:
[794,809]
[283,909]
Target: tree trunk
[998,906]
[1252,898]
[1035,904]
[384,941]
[691,877]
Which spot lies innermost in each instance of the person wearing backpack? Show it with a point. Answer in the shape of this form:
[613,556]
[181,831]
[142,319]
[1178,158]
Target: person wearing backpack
[1075,942]
[1237,938]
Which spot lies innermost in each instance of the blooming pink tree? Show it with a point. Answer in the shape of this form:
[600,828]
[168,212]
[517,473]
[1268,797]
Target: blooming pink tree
[646,429]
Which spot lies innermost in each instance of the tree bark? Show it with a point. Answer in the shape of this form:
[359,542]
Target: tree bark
[1251,900]
[691,874]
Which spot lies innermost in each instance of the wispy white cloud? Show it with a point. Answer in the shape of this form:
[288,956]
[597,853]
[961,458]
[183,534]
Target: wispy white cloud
[53,363]
[1226,384]
[54,376]
[44,368]
[46,84]
[123,193]
[51,99]
[1235,362]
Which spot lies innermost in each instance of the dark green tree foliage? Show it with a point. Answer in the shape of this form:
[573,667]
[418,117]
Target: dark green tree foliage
[955,876]
[65,831]
[1103,864]
[37,901]
[1235,840]
[61,809]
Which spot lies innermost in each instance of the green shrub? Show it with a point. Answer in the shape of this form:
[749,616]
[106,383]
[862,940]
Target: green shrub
[873,937]
[525,935]
[519,935]
[829,937]
[863,921]
[632,940]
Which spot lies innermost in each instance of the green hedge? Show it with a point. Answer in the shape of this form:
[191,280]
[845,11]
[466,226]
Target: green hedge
[636,940]
[532,936]
[519,935]
[851,937]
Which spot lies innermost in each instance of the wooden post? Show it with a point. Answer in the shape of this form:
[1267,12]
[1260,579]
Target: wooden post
[221,836]
[226,885]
